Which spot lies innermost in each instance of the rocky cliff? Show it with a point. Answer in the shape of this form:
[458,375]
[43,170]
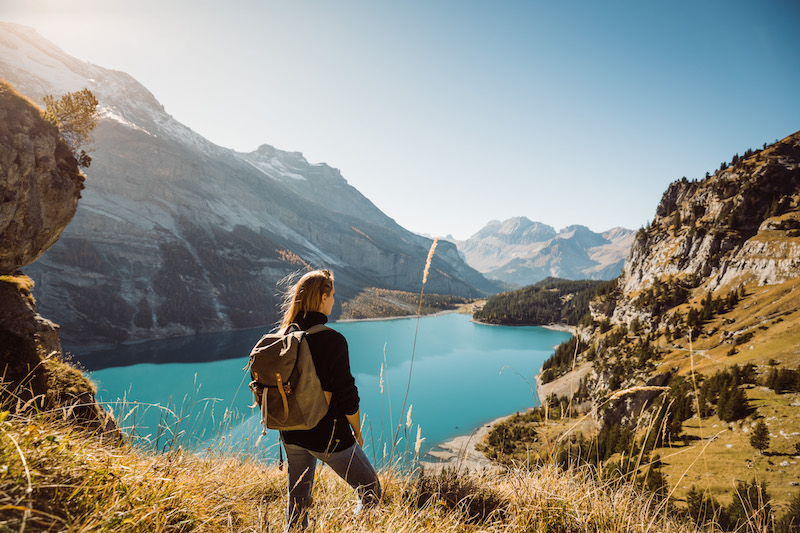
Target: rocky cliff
[740,225]
[40,184]
[176,235]
[709,295]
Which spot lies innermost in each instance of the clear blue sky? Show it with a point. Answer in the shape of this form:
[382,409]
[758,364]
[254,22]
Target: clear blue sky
[448,114]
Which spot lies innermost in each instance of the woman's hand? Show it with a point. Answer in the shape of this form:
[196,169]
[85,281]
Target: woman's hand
[355,422]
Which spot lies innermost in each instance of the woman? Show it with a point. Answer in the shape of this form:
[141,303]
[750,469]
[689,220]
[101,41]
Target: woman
[336,440]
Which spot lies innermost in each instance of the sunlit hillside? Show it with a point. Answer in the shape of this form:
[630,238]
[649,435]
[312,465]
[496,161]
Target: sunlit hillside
[686,375]
[57,477]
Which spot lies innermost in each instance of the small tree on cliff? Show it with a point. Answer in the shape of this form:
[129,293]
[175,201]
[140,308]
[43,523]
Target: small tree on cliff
[75,115]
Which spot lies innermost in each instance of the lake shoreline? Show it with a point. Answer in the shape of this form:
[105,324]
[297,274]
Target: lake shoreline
[554,327]
[461,451]
[88,349]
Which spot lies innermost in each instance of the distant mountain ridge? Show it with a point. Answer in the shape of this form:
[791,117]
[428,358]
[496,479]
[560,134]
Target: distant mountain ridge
[522,252]
[175,235]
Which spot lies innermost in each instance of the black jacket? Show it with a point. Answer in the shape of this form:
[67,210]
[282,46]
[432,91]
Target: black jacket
[332,362]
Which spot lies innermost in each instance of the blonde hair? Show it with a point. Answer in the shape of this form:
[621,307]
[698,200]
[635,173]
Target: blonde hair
[306,295]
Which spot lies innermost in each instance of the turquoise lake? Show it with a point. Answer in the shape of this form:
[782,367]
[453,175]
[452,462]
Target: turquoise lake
[464,375]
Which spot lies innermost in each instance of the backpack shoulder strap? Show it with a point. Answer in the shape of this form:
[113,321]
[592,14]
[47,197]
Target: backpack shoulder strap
[316,329]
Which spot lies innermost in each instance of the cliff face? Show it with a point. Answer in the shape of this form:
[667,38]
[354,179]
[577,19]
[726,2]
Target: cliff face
[40,184]
[738,226]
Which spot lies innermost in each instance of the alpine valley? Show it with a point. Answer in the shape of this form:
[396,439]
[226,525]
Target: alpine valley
[175,235]
[682,380]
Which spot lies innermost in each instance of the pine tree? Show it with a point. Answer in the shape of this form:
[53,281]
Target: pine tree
[704,508]
[732,403]
[760,437]
[75,115]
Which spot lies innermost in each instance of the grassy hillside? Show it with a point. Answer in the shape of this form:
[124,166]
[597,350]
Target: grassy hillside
[53,477]
[705,455]
[687,377]
[763,330]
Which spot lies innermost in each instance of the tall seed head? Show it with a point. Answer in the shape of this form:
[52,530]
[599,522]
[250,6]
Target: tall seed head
[428,261]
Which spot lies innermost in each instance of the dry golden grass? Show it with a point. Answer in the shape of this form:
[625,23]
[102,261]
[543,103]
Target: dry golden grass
[770,313]
[23,284]
[718,454]
[54,476]
[57,478]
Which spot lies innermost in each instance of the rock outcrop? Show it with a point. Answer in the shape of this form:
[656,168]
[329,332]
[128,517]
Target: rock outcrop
[40,184]
[740,225]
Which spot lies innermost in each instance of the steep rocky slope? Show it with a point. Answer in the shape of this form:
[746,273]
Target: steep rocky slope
[717,268]
[522,252]
[40,184]
[176,235]
[738,226]
[698,344]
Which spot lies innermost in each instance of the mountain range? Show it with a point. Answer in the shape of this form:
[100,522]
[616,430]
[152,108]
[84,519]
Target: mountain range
[521,252]
[176,235]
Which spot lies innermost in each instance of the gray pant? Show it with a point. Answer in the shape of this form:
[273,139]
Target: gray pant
[351,465]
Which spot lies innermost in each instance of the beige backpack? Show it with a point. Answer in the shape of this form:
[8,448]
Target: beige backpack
[285,383]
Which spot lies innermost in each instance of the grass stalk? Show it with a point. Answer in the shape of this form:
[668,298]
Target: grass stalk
[414,344]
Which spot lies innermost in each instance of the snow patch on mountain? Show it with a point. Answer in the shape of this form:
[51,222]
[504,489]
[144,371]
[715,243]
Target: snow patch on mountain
[274,170]
[110,114]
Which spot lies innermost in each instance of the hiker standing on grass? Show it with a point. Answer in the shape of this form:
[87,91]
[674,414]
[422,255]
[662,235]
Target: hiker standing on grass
[336,440]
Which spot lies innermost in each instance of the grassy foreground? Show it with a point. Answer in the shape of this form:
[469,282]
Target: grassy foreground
[55,477]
